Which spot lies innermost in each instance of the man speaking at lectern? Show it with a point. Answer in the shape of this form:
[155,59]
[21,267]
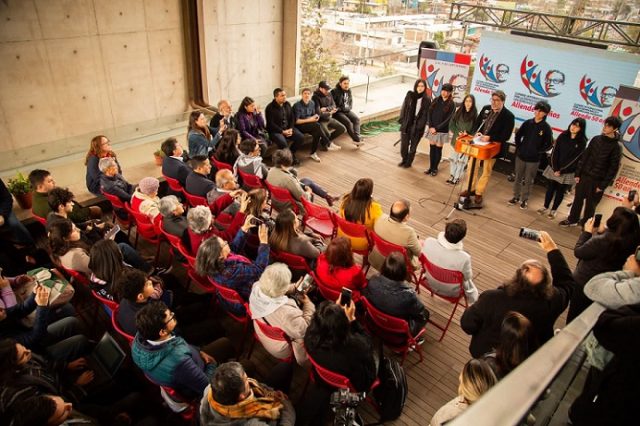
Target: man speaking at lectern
[494,124]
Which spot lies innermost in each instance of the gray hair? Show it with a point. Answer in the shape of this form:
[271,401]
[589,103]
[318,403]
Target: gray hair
[106,162]
[223,176]
[208,261]
[199,219]
[275,280]
[168,204]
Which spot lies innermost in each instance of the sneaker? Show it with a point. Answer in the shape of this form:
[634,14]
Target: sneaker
[513,201]
[542,211]
[358,144]
[566,223]
[315,157]
[420,340]
[524,205]
[450,180]
[334,147]
[552,214]
[427,172]
[401,164]
[159,270]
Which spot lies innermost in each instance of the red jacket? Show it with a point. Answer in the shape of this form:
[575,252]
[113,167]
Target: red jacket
[351,277]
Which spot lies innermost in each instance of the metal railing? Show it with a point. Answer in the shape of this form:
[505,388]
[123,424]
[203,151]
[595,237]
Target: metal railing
[508,402]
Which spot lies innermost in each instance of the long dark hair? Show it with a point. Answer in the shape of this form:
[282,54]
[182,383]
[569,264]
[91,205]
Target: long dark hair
[581,136]
[106,261]
[623,232]
[59,243]
[227,149]
[244,104]
[515,342]
[257,197]
[415,93]
[283,231]
[461,113]
[193,117]
[356,204]
[329,327]
[339,254]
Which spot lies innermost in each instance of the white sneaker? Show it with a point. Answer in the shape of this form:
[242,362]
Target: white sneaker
[315,157]
[334,147]
[358,144]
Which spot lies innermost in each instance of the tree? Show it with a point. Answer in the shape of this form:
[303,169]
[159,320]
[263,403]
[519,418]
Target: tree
[316,62]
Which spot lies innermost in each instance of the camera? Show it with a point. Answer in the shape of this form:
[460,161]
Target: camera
[530,234]
[256,221]
[344,404]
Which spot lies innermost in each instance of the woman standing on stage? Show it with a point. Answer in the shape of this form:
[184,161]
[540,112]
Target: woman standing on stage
[440,112]
[413,120]
[461,124]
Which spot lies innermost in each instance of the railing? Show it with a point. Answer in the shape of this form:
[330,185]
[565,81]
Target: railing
[508,402]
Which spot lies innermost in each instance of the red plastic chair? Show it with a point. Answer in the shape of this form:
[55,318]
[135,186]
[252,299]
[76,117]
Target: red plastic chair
[76,276]
[319,219]
[250,181]
[195,200]
[329,293]
[40,219]
[109,305]
[273,333]
[281,195]
[447,277]
[219,165]
[385,248]
[335,380]
[355,230]
[393,331]
[232,297]
[174,184]
[117,203]
[293,261]
[114,322]
[145,229]
[190,408]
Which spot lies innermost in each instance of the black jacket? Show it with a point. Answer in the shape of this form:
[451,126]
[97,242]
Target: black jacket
[600,160]
[483,319]
[343,100]
[611,397]
[198,184]
[566,153]
[502,127]
[279,117]
[175,169]
[409,121]
[533,139]
[440,113]
[232,121]
[6,202]
[116,185]
[322,101]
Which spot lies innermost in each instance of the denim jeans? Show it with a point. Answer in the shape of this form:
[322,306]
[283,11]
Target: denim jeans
[20,232]
[133,258]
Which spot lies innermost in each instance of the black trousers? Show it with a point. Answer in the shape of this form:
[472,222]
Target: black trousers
[409,145]
[585,195]
[316,133]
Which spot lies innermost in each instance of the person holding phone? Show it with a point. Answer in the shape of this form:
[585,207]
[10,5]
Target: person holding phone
[287,237]
[617,288]
[270,302]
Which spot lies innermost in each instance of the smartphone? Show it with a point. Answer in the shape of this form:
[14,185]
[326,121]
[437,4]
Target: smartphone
[305,284]
[256,221]
[530,234]
[345,300]
[111,233]
[632,195]
[596,221]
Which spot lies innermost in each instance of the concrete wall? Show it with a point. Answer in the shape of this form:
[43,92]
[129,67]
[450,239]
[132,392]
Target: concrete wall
[72,68]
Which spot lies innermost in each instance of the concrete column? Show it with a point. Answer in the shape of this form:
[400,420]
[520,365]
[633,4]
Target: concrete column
[291,46]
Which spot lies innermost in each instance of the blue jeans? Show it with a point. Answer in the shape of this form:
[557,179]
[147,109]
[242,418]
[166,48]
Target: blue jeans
[297,139]
[315,188]
[63,341]
[133,258]
[20,232]
[458,163]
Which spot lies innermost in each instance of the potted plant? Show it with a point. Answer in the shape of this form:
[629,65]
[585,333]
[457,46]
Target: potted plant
[159,157]
[20,187]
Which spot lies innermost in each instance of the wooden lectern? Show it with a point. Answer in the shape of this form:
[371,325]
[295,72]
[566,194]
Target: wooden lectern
[465,145]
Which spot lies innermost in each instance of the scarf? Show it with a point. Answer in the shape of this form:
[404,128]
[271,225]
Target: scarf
[263,305]
[262,403]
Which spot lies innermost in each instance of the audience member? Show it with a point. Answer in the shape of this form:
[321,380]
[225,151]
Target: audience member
[67,249]
[168,359]
[281,124]
[343,99]
[595,171]
[390,293]
[225,184]
[619,288]
[414,114]
[395,230]
[515,345]
[99,148]
[202,139]
[173,220]
[198,182]
[202,226]
[173,164]
[476,378]
[282,175]
[113,182]
[224,114]
[287,237]
[446,251]
[145,198]
[233,398]
[605,251]
[336,268]
[42,182]
[560,172]
[530,292]
[441,110]
[325,108]
[250,160]
[9,219]
[461,124]
[270,304]
[359,207]
[227,149]
[306,121]
[250,122]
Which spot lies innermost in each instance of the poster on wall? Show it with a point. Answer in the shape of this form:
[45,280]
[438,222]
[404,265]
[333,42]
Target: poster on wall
[626,106]
[576,81]
[438,67]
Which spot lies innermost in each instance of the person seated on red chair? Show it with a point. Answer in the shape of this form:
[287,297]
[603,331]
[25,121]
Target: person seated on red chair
[173,220]
[169,360]
[113,182]
[233,398]
[446,251]
[250,160]
[225,185]
[287,237]
[61,204]
[173,164]
[336,268]
[390,293]
[219,260]
[198,182]
[337,342]
[145,198]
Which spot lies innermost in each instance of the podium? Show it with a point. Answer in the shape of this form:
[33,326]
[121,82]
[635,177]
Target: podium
[465,145]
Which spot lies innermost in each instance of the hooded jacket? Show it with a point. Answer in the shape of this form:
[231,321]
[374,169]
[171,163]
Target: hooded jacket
[533,139]
[601,160]
[322,101]
[567,153]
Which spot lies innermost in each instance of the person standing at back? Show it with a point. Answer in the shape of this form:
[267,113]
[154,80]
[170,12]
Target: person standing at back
[413,120]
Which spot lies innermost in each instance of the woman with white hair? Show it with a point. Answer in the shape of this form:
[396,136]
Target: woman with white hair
[270,304]
[145,198]
[111,181]
[173,220]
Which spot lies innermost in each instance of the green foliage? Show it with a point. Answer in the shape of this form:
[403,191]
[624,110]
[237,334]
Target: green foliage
[316,62]
[19,185]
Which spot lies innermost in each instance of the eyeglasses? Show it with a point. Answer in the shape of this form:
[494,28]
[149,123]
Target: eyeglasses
[461,87]
[554,81]
[172,315]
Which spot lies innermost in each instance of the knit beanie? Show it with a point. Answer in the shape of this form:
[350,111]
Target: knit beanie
[149,185]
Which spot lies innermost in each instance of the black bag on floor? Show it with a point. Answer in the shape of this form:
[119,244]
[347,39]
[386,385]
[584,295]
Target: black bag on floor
[391,394]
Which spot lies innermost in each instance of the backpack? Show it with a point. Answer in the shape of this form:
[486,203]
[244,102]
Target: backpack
[391,394]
